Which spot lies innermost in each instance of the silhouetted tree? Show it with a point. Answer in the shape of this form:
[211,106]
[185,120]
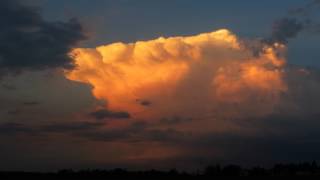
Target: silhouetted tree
[301,169]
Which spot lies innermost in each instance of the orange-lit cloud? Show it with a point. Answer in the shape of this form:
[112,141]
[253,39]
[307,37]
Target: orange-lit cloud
[209,73]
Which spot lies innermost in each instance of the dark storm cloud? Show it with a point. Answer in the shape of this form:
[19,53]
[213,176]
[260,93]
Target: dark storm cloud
[285,29]
[105,114]
[28,42]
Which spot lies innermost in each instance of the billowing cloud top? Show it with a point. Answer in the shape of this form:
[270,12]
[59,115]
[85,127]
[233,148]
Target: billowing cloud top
[194,76]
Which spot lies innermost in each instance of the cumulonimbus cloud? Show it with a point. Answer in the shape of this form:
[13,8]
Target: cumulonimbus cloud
[194,76]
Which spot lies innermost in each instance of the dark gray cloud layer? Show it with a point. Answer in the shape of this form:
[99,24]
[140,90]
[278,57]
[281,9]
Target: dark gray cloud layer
[105,114]
[280,138]
[284,29]
[28,42]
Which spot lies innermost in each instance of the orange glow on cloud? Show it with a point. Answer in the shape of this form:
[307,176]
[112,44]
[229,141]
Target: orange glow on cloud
[182,75]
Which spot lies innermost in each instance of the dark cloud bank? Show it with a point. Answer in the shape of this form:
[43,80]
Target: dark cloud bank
[105,114]
[28,42]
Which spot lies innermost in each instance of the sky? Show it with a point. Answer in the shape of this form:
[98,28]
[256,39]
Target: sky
[145,84]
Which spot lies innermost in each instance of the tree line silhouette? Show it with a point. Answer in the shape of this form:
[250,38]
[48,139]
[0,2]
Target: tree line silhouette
[278,170]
